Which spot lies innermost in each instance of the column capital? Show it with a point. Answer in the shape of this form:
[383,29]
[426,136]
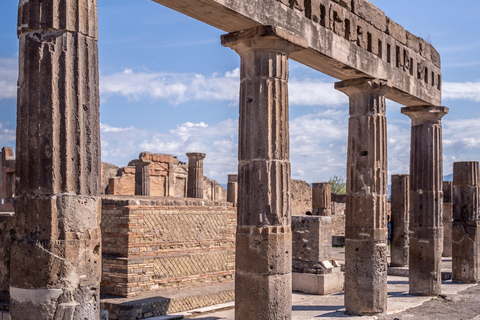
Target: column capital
[141,162]
[233,178]
[264,37]
[422,114]
[363,85]
[196,155]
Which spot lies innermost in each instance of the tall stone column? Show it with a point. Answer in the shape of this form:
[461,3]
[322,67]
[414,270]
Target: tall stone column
[56,252]
[142,177]
[321,199]
[466,223]
[447,218]
[426,199]
[366,208]
[195,175]
[263,287]
[232,189]
[400,220]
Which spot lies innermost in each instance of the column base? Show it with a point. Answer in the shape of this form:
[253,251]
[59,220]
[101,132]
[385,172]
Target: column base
[321,284]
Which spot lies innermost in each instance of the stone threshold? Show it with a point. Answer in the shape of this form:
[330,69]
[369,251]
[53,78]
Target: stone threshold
[167,302]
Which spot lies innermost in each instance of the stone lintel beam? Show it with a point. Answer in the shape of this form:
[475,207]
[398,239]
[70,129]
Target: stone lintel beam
[322,199]
[195,175]
[263,284]
[366,207]
[466,222]
[426,199]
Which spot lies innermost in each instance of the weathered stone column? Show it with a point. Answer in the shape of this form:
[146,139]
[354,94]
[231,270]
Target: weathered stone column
[142,177]
[466,223]
[321,199]
[195,175]
[400,220]
[56,252]
[447,218]
[232,189]
[263,287]
[366,208]
[426,199]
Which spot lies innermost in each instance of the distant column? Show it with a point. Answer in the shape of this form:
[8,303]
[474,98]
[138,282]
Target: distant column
[447,218]
[366,208]
[232,189]
[466,223]
[263,278]
[400,220]
[321,199]
[426,199]
[142,177]
[195,175]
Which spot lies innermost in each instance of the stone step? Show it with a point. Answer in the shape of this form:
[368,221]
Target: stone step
[167,302]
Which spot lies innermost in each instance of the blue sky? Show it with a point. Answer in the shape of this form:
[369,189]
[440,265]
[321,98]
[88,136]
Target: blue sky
[168,86]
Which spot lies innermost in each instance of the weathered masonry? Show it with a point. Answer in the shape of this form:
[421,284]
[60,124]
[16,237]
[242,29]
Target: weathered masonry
[56,256]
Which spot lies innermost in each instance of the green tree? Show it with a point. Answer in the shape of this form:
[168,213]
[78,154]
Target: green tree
[338,185]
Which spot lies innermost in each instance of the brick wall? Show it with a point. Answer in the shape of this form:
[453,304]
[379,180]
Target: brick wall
[154,244]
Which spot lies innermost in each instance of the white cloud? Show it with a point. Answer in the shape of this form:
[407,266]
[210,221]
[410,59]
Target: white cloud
[7,135]
[461,90]
[8,78]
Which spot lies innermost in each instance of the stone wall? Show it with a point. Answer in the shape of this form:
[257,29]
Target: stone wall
[301,197]
[6,225]
[154,244]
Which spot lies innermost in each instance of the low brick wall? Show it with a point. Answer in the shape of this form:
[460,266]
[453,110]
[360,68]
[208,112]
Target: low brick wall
[155,244]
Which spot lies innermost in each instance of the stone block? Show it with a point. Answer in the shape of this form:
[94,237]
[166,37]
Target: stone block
[321,284]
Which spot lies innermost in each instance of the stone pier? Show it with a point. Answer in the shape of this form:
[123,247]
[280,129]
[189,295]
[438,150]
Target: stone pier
[466,223]
[56,249]
[400,220]
[366,209]
[195,175]
[447,218]
[232,189]
[426,199]
[142,177]
[321,199]
[263,283]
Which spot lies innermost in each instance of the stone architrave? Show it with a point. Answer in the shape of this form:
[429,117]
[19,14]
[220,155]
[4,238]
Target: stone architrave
[195,175]
[263,286]
[466,223]
[56,254]
[366,207]
[447,218]
[142,177]
[426,199]
[400,220]
[232,189]
[321,199]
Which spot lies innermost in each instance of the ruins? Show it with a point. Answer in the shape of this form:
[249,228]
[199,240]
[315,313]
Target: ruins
[56,252]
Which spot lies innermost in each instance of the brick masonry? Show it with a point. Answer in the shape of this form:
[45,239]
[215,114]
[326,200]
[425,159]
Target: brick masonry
[158,244]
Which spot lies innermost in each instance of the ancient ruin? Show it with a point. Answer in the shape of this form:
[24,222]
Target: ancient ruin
[56,249]
[400,220]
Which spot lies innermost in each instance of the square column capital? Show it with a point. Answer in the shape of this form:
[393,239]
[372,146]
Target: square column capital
[363,85]
[264,37]
[423,114]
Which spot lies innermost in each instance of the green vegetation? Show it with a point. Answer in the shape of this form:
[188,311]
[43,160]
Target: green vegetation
[338,185]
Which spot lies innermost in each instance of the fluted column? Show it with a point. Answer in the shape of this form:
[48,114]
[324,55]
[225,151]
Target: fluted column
[366,208]
[447,218]
[400,220]
[466,223]
[142,177]
[263,286]
[56,254]
[232,189]
[426,199]
[321,199]
[195,175]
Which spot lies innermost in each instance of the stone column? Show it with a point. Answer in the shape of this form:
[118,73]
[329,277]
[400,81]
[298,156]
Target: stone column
[400,220]
[447,218]
[366,208]
[426,199]
[466,223]
[195,175]
[263,287]
[142,177]
[321,199]
[56,254]
[232,189]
